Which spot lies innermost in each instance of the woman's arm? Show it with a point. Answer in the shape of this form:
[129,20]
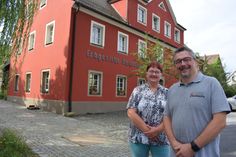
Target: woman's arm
[137,120]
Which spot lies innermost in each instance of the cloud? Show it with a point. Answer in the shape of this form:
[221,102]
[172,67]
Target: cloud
[210,27]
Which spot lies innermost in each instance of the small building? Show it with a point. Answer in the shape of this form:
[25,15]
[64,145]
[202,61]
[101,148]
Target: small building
[79,53]
[232,79]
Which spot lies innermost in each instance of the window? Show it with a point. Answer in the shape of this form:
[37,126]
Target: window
[16,85]
[142,48]
[142,15]
[160,57]
[141,81]
[155,23]
[97,34]
[123,40]
[162,6]
[31,41]
[20,48]
[121,82]
[177,35]
[27,82]
[45,81]
[95,83]
[167,30]
[50,27]
[29,8]
[42,3]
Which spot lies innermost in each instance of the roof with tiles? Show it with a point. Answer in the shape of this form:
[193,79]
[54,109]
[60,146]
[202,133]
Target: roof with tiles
[102,7]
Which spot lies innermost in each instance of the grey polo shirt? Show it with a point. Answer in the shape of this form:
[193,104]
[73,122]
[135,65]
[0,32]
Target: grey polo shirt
[191,108]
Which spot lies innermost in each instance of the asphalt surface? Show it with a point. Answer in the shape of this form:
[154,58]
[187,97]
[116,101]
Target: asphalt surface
[91,135]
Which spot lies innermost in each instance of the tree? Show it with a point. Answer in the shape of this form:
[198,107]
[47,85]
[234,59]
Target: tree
[216,70]
[16,18]
[153,52]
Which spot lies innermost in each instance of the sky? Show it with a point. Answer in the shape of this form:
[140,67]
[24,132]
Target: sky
[211,27]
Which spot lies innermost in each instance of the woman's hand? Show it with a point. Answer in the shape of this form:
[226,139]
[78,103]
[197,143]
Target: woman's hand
[153,132]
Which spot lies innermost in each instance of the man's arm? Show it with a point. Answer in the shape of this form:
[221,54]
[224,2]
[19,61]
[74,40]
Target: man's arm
[212,130]
[169,132]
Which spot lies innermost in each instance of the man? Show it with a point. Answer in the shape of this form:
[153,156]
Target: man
[196,110]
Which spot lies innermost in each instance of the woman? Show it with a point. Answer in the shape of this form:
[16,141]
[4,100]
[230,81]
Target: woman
[145,111]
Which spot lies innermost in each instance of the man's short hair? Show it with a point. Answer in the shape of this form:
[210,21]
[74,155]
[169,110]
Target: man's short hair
[185,49]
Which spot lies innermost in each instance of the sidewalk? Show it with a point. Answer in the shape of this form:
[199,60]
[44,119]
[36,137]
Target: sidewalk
[53,135]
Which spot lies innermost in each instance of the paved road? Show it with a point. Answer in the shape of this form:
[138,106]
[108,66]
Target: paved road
[228,137]
[94,135]
[52,135]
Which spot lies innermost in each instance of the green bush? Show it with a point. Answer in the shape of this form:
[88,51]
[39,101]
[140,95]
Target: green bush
[3,94]
[230,91]
[13,145]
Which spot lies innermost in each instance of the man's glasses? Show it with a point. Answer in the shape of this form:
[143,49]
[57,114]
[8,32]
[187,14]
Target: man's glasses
[185,60]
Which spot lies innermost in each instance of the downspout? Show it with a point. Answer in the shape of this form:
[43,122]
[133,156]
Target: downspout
[75,8]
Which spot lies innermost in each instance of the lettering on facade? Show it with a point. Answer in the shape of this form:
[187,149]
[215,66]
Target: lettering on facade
[105,58]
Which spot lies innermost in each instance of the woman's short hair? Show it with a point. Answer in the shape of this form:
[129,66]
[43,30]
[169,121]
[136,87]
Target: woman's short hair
[154,64]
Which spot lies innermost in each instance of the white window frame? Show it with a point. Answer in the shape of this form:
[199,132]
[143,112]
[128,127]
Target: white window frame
[154,26]
[162,6]
[122,45]
[28,86]
[45,87]
[177,36]
[142,15]
[31,44]
[49,35]
[42,4]
[98,84]
[16,82]
[95,39]
[123,86]
[20,48]
[141,81]
[141,52]
[160,58]
[167,29]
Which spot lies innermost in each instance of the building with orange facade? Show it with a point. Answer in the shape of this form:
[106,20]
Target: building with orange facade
[78,56]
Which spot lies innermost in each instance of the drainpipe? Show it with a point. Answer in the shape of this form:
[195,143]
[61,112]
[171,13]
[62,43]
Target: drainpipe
[75,8]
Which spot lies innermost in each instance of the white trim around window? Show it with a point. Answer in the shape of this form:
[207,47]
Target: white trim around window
[28,78]
[167,29]
[45,81]
[16,82]
[31,44]
[95,83]
[122,43]
[49,34]
[141,81]
[121,85]
[142,48]
[142,15]
[156,23]
[42,4]
[97,34]
[177,35]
